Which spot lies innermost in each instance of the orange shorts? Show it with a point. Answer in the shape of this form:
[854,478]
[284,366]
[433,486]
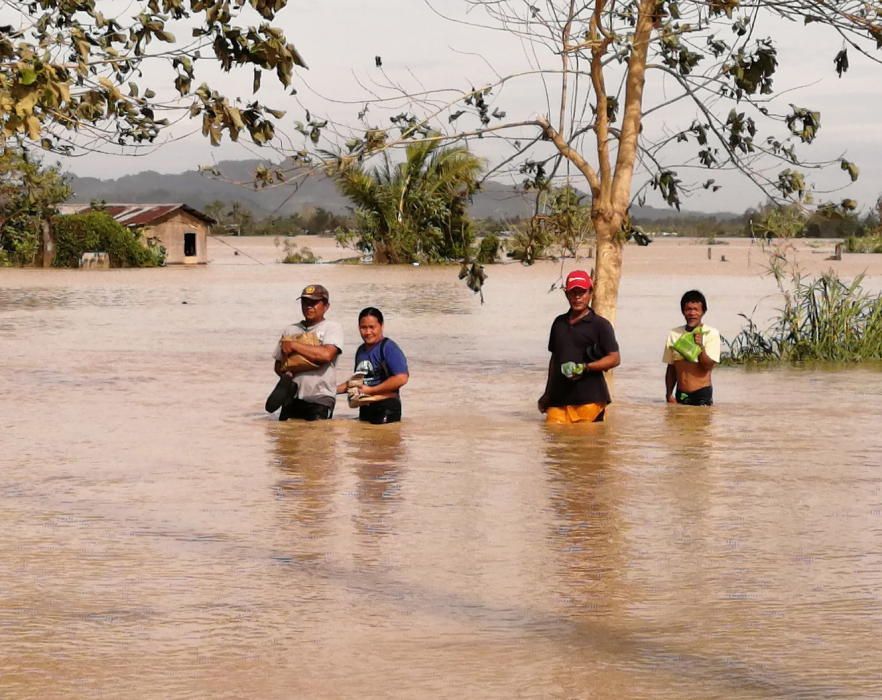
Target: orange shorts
[564,415]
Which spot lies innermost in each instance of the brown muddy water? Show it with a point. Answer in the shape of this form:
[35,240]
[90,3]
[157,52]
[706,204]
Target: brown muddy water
[161,537]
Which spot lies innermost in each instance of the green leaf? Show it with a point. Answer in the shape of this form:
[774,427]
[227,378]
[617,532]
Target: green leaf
[791,182]
[182,84]
[235,117]
[851,168]
[27,76]
[33,127]
[803,123]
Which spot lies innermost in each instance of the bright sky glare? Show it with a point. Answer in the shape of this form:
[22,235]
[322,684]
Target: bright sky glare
[339,40]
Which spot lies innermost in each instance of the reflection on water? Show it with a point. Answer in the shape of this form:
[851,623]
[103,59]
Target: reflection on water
[156,526]
[588,525]
[309,478]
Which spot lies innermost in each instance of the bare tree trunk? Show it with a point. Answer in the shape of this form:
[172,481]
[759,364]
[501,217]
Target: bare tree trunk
[608,214]
[608,270]
[48,245]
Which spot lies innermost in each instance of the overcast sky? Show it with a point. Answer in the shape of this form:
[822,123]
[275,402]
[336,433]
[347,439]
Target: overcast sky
[340,39]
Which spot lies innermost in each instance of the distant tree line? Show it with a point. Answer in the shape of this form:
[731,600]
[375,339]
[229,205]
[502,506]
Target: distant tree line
[764,221]
[416,210]
[237,219]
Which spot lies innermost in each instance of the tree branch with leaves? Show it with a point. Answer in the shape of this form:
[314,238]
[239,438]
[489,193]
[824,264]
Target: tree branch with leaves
[87,75]
[605,102]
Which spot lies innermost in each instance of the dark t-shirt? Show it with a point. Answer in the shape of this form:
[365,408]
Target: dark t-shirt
[588,339]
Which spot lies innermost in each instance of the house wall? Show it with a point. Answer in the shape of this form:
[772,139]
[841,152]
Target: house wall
[171,233]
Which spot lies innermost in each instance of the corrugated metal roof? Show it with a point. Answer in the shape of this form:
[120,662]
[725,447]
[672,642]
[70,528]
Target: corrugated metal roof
[139,214]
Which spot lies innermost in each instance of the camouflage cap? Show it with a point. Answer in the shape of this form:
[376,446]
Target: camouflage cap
[314,291]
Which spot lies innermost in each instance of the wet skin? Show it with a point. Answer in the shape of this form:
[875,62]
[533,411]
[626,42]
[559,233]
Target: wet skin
[692,376]
[371,330]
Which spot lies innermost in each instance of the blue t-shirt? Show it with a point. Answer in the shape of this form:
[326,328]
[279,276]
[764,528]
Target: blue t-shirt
[380,362]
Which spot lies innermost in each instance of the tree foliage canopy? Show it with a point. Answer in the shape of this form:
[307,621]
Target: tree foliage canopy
[29,194]
[633,96]
[76,234]
[414,210]
[83,65]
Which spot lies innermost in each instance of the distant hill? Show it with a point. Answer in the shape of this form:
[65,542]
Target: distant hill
[495,199]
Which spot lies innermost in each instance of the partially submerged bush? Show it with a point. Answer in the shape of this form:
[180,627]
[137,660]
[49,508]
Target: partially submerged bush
[530,242]
[823,318]
[869,244]
[97,231]
[20,239]
[295,256]
[489,249]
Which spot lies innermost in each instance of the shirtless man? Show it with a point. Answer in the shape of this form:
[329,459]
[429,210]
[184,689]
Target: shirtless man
[689,381]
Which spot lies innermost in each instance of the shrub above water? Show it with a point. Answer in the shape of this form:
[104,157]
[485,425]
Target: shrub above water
[488,250]
[823,318]
[97,231]
[868,244]
[294,255]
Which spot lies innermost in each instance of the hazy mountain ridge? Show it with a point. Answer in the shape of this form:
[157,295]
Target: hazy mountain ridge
[495,199]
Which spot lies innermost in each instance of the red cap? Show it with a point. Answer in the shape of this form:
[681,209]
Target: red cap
[578,279]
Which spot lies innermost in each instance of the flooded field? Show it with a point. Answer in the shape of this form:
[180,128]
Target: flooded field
[162,537]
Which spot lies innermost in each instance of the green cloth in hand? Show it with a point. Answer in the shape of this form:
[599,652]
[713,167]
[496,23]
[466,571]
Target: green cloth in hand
[686,345]
[572,369]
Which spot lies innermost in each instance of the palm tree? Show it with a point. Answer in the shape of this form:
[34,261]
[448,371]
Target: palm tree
[416,209]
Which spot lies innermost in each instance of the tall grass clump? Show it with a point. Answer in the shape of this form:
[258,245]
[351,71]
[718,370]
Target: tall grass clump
[823,318]
[866,244]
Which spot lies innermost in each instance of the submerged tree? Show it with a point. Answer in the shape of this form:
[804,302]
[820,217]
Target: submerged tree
[638,95]
[94,67]
[416,209]
[569,219]
[29,196]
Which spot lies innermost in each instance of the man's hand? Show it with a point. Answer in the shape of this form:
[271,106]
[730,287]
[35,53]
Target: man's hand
[287,346]
[671,399]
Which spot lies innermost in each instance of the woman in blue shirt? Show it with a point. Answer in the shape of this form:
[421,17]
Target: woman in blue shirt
[385,371]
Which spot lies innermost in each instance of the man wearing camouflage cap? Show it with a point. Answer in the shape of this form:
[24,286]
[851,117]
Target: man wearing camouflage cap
[307,387]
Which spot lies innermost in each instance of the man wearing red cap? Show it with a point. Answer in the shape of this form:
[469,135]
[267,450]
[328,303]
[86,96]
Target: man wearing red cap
[583,346]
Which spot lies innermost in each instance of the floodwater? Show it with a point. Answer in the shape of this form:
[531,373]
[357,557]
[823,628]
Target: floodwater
[162,537]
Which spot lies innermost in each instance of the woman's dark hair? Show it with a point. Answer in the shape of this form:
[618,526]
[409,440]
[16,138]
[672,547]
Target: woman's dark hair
[371,311]
[691,295]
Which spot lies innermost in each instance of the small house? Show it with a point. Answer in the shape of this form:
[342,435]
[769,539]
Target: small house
[181,229]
